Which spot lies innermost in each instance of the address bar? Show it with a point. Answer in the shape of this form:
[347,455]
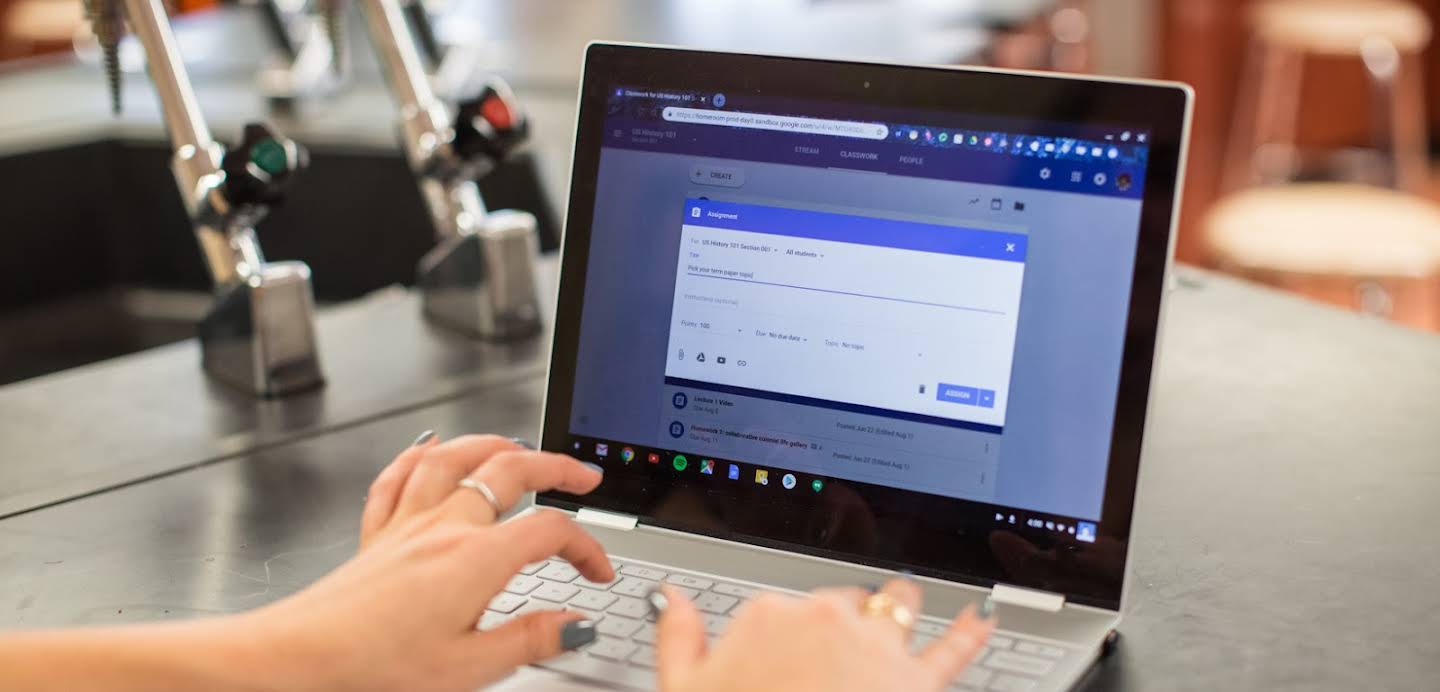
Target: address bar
[782,123]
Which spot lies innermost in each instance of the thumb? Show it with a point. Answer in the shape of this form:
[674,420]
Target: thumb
[679,636]
[529,638]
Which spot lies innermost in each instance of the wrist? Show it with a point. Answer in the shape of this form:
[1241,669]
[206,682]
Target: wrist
[265,651]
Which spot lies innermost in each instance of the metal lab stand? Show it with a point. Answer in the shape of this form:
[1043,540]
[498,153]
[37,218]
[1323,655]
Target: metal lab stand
[259,336]
[480,277]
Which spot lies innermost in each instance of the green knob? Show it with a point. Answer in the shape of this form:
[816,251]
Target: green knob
[270,156]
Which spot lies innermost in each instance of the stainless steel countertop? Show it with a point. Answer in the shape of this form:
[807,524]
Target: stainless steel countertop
[95,427]
[1282,537]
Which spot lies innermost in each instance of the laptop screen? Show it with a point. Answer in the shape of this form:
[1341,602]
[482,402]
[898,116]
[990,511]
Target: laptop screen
[794,309]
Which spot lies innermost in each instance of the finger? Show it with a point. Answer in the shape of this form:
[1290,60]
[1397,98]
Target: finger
[679,638]
[906,592]
[511,474]
[529,638]
[852,596]
[544,534]
[442,467]
[907,597]
[385,490]
[949,655]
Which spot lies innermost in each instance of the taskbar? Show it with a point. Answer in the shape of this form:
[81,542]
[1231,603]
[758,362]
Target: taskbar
[671,467]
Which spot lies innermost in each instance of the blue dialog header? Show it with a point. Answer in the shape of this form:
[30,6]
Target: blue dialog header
[860,230]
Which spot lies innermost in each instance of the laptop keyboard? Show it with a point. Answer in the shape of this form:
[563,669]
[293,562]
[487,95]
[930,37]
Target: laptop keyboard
[624,652]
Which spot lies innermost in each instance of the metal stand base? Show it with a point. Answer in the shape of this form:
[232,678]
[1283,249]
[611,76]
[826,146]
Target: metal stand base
[260,335]
[483,284]
[516,183]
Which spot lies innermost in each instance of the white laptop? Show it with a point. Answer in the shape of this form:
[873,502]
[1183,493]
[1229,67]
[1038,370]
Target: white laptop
[823,321]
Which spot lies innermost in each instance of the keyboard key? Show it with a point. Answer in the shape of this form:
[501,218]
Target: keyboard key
[602,671]
[689,592]
[740,592]
[491,620]
[591,600]
[1040,649]
[976,677]
[630,608]
[999,642]
[633,587]
[692,582]
[506,603]
[611,649]
[1012,662]
[646,634]
[718,604]
[600,586]
[559,593]
[642,572]
[532,568]
[533,605]
[714,624]
[522,584]
[644,657]
[934,629]
[558,571]
[1010,683]
[618,626]
[591,615]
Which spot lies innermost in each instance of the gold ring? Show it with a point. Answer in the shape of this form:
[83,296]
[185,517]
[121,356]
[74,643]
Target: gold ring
[884,605]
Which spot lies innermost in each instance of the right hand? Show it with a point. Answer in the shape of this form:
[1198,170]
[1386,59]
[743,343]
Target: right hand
[401,614]
[812,644]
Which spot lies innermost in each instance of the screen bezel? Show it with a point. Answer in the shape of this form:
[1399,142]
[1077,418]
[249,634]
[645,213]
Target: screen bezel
[1159,108]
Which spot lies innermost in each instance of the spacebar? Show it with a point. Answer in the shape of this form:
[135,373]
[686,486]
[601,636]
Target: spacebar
[614,674]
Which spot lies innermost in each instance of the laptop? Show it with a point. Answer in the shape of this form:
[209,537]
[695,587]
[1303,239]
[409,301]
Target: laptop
[823,321]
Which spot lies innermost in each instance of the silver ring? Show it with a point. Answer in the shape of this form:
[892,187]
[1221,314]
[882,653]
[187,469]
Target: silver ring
[486,492]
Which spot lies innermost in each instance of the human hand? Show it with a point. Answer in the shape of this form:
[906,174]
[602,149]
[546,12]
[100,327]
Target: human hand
[402,612]
[820,643]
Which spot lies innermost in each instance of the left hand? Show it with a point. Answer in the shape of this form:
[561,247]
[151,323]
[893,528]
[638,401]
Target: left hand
[825,643]
[402,613]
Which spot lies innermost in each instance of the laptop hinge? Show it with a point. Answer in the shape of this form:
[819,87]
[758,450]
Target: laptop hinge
[1028,598]
[609,520]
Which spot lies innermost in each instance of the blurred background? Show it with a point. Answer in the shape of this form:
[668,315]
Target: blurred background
[1310,167]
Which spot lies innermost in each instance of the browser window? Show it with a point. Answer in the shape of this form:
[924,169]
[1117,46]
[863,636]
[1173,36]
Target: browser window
[912,300]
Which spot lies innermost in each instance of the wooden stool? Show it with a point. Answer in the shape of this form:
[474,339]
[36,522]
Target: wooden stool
[1359,247]
[1388,36]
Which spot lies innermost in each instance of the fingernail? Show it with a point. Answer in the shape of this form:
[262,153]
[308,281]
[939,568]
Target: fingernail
[987,609]
[657,601]
[523,442]
[576,634]
[593,467]
[426,436]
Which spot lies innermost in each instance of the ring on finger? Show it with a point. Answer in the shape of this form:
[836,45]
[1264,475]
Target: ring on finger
[485,492]
[883,605]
